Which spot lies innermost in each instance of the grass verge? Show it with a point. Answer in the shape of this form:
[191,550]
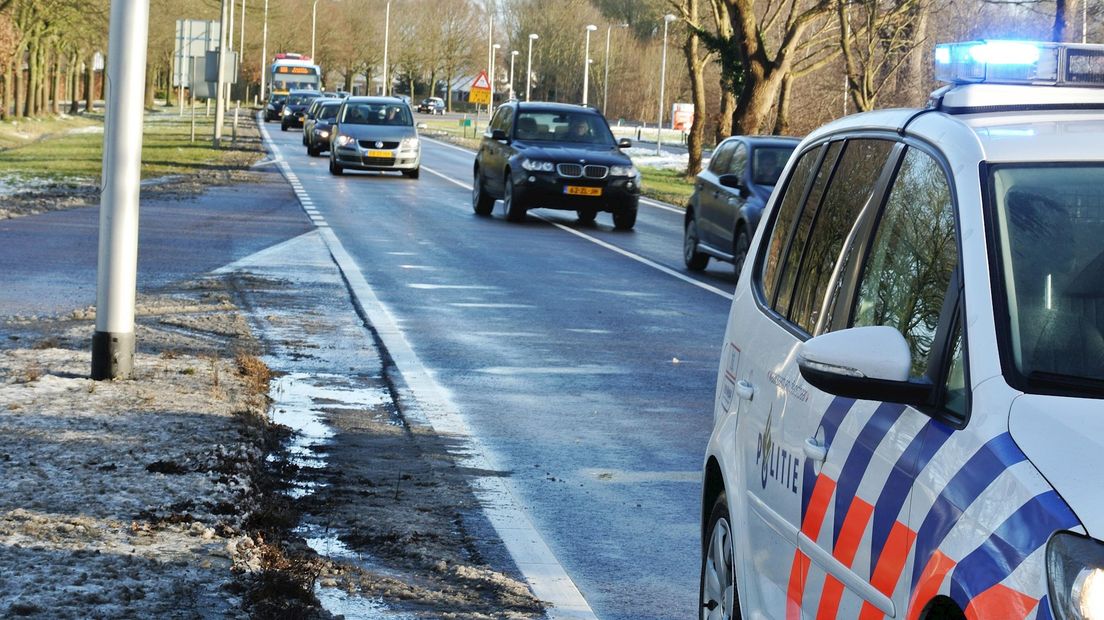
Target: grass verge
[665,185]
[71,149]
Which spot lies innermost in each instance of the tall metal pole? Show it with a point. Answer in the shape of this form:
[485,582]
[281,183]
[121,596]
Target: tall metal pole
[264,52]
[667,19]
[491,77]
[220,101]
[513,55]
[184,41]
[586,62]
[230,48]
[529,68]
[490,59]
[117,266]
[386,44]
[314,21]
[241,53]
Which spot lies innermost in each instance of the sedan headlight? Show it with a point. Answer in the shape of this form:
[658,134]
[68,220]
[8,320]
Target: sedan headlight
[324,134]
[409,144]
[535,165]
[1075,569]
[623,171]
[343,140]
[285,111]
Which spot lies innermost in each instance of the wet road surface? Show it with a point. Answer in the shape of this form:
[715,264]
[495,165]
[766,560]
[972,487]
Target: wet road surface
[585,358]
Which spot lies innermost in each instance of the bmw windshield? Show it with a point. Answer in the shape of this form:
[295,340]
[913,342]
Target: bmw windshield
[1050,222]
[576,127]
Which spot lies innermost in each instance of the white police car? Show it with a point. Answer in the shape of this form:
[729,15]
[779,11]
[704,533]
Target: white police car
[908,418]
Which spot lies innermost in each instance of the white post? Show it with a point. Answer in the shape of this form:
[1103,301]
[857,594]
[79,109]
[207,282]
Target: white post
[180,64]
[264,52]
[586,62]
[117,266]
[220,101]
[230,48]
[386,44]
[314,22]
[529,68]
[513,55]
[491,78]
[241,57]
[667,19]
[490,60]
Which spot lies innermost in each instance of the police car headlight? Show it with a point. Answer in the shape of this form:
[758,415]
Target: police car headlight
[622,171]
[343,140]
[1075,570]
[533,165]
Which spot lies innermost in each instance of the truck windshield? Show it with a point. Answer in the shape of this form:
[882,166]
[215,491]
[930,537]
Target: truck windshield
[1050,220]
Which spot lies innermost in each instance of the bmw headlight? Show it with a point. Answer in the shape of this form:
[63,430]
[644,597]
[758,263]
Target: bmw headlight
[1075,569]
[534,165]
[343,140]
[409,144]
[622,171]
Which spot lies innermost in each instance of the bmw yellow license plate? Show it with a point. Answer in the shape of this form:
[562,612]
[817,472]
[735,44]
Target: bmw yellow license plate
[378,154]
[575,190]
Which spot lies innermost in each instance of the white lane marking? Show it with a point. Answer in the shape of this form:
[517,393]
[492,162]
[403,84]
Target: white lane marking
[662,205]
[434,287]
[536,561]
[609,246]
[448,145]
[491,306]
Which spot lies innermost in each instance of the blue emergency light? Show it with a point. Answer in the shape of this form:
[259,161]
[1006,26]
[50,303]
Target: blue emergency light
[1020,62]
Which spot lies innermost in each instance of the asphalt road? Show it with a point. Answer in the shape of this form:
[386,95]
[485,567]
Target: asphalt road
[585,361]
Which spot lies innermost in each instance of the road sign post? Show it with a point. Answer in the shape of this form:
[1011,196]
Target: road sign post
[117,265]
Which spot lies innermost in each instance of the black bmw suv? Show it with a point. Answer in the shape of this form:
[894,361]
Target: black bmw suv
[555,156]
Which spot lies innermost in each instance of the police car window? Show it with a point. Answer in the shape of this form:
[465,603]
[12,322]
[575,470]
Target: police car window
[722,157]
[1051,221]
[911,259]
[800,235]
[955,394]
[739,160]
[850,189]
[788,207]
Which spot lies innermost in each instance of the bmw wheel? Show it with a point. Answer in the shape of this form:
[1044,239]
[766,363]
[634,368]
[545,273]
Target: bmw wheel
[482,202]
[515,211]
[695,260]
[717,595]
[624,219]
[586,216]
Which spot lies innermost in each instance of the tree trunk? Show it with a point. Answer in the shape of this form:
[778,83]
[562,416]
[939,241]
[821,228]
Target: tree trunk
[150,86]
[696,68]
[782,115]
[74,84]
[29,89]
[89,77]
[448,89]
[57,86]
[1061,28]
[18,82]
[7,97]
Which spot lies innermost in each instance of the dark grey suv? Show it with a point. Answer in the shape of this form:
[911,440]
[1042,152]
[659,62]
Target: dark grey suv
[729,197]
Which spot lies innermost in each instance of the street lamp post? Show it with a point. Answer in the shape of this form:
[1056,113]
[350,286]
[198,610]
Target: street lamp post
[605,80]
[314,22]
[491,76]
[667,19]
[241,54]
[529,68]
[586,62]
[513,55]
[264,51]
[386,44]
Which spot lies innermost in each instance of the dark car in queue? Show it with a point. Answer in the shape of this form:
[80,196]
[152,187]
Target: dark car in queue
[312,111]
[729,196]
[555,156]
[275,106]
[294,108]
[318,129]
[432,105]
[375,134]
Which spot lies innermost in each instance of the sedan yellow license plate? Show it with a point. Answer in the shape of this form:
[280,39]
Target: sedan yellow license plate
[379,154]
[575,190]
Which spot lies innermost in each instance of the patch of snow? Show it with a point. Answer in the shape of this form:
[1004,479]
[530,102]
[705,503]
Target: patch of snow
[665,160]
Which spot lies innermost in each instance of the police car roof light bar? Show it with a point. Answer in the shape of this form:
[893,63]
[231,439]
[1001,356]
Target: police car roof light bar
[1020,62]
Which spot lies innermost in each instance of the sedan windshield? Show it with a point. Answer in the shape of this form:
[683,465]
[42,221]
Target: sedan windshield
[363,113]
[328,111]
[578,127]
[300,99]
[1050,222]
[768,162]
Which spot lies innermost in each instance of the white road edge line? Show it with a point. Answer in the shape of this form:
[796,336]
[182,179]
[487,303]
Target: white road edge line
[609,246]
[536,561]
[648,201]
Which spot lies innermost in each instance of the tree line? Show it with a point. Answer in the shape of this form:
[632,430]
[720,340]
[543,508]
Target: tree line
[748,66]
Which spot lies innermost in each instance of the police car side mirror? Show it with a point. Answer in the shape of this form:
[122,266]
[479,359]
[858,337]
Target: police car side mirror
[866,363]
[498,134]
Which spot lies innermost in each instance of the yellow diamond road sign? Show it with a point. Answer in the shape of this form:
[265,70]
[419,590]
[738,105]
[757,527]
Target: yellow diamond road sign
[480,90]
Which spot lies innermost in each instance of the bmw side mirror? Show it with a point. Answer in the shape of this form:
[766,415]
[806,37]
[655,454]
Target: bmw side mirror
[498,134]
[624,143]
[866,363]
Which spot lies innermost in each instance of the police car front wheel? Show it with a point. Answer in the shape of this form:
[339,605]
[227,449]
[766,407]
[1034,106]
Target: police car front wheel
[717,594]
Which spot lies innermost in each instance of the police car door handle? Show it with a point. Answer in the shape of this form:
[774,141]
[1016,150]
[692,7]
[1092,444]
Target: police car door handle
[815,450]
[745,390]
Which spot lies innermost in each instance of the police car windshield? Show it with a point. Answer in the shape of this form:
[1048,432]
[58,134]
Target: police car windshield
[577,127]
[1050,221]
[376,114]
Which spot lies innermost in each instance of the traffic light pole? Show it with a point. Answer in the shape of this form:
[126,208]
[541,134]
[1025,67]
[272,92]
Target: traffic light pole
[117,266]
